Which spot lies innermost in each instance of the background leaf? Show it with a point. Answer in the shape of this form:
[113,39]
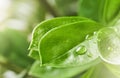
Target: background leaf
[103,11]
[66,7]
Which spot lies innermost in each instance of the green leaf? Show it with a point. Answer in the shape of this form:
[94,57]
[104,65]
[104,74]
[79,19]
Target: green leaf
[44,27]
[58,41]
[103,11]
[78,55]
[52,72]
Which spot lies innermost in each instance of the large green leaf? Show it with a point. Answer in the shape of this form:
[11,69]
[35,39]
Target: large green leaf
[76,55]
[103,11]
[44,27]
[59,41]
[115,69]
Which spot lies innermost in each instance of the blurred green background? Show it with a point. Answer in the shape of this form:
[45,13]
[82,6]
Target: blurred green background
[17,20]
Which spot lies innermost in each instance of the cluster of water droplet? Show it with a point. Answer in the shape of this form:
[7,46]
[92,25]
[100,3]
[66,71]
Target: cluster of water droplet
[81,50]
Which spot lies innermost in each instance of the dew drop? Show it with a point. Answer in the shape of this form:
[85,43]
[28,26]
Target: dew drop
[89,54]
[87,36]
[94,33]
[81,50]
[110,48]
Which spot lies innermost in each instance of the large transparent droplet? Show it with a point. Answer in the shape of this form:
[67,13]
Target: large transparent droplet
[81,50]
[109,46]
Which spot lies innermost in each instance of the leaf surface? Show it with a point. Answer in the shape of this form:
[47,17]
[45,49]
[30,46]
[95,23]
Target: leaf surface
[44,27]
[58,42]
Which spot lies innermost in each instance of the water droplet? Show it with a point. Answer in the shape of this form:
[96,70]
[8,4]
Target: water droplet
[81,50]
[87,36]
[89,54]
[94,33]
[110,48]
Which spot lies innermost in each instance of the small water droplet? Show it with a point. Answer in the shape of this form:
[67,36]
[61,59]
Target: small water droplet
[110,48]
[87,36]
[81,50]
[94,33]
[89,54]
[48,67]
